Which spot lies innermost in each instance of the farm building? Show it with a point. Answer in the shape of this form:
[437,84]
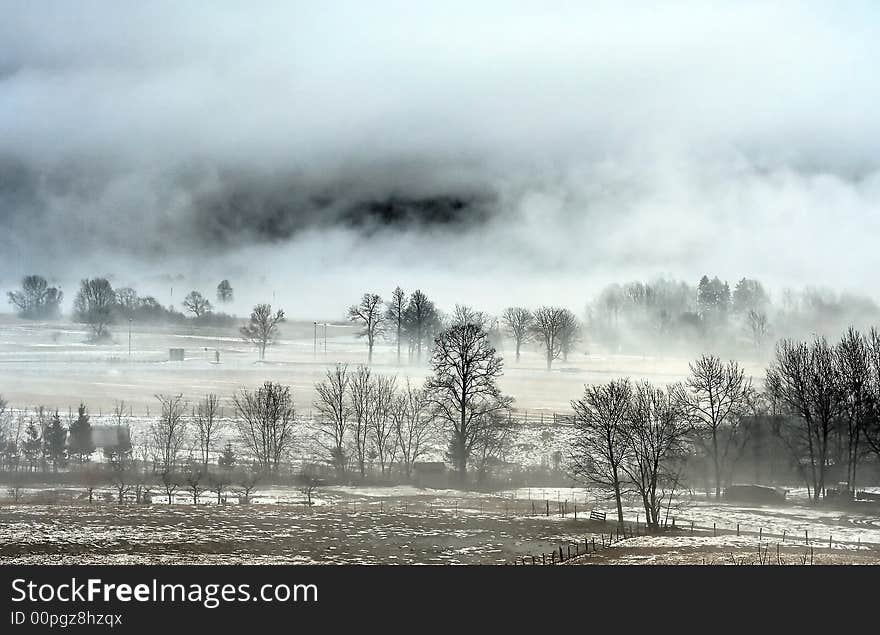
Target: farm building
[755,494]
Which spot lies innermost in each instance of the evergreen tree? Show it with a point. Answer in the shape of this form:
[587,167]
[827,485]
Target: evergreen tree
[81,444]
[55,442]
[749,295]
[227,459]
[32,444]
[713,300]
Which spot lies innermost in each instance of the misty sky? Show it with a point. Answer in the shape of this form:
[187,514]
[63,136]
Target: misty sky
[488,152]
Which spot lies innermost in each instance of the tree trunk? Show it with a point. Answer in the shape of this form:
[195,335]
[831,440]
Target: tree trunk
[617,498]
[717,464]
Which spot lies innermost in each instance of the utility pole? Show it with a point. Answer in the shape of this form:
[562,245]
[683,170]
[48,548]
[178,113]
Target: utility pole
[325,338]
[129,338]
[316,339]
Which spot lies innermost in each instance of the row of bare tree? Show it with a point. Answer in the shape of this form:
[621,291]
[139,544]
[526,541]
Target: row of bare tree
[638,436]
[821,400]
[362,416]
[824,402]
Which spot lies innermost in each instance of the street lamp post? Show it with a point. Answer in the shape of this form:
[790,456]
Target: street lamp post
[316,339]
[325,338]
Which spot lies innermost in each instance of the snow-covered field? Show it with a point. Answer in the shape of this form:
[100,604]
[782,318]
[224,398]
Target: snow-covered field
[346,526]
[51,364]
[404,524]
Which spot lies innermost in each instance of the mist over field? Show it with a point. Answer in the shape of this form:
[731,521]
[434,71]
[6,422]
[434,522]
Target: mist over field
[490,155]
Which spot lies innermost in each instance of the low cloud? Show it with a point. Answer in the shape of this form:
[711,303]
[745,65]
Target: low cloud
[489,154]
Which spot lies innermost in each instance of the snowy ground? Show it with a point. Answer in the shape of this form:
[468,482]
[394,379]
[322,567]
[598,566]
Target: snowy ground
[727,550]
[346,526]
[51,364]
[404,524]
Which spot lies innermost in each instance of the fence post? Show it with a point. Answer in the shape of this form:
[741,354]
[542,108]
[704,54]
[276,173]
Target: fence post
[575,511]
[547,506]
[714,533]
[543,558]
[737,529]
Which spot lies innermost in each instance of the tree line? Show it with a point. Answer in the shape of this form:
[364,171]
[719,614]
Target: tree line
[665,315]
[98,305]
[819,400]
[361,418]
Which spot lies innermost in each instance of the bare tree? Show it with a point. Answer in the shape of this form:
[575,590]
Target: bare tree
[381,420]
[142,452]
[218,481]
[334,411]
[870,432]
[464,387]
[369,313]
[464,314]
[493,442]
[758,327]
[414,423]
[262,329]
[36,300]
[265,419]
[194,477]
[224,292]
[852,357]
[396,314]
[547,329]
[804,381]
[599,447]
[197,304]
[716,398]
[127,301]
[309,482]
[362,396]
[569,333]
[209,426]
[120,457]
[94,306]
[247,479]
[656,432]
[420,319]
[91,477]
[169,436]
[518,323]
